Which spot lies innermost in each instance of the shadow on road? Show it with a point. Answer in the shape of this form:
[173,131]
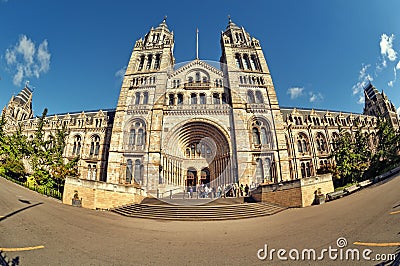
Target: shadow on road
[395,262]
[20,210]
[24,201]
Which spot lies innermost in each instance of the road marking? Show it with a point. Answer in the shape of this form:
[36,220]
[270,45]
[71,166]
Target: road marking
[20,249]
[394,244]
[396,212]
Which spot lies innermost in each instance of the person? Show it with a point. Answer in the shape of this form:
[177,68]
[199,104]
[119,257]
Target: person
[246,190]
[191,192]
[213,192]
[219,191]
[241,190]
[206,191]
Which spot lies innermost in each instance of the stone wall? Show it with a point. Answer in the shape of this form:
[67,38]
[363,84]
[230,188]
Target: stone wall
[101,195]
[294,193]
[311,184]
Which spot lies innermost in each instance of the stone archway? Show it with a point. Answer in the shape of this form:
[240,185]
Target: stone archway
[197,144]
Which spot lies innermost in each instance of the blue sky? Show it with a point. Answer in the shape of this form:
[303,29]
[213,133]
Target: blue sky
[320,53]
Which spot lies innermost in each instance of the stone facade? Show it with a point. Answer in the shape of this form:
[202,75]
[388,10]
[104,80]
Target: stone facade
[177,125]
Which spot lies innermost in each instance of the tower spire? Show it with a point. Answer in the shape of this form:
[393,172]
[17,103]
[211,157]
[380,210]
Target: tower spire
[197,43]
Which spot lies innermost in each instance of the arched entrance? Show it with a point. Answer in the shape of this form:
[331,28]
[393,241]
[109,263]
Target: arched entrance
[198,144]
[205,176]
[191,178]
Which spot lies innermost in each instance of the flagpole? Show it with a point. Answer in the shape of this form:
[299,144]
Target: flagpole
[197,43]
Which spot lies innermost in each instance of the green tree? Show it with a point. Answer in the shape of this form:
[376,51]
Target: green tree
[387,148]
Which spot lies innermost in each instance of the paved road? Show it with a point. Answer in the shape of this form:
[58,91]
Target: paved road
[75,236]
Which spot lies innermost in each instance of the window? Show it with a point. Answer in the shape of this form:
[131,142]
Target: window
[321,142]
[250,97]
[145,97]
[302,143]
[149,59]
[141,63]
[259,97]
[259,171]
[202,98]
[261,132]
[197,77]
[138,172]
[132,137]
[137,98]
[205,80]
[140,139]
[303,170]
[171,99]
[216,98]
[255,62]
[190,79]
[136,136]
[128,171]
[157,62]
[77,145]
[256,136]
[238,60]
[95,145]
[247,61]
[180,98]
[193,98]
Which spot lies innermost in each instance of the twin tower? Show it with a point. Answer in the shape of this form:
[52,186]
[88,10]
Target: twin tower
[199,122]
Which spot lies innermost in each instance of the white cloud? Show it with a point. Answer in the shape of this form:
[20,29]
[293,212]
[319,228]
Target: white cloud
[120,73]
[391,83]
[27,60]
[386,45]
[398,66]
[398,111]
[361,99]
[295,92]
[363,79]
[315,97]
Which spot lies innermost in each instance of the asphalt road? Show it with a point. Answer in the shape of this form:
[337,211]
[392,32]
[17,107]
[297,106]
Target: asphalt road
[66,235]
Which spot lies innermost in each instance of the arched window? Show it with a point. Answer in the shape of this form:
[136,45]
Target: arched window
[149,60]
[180,98]
[259,171]
[197,77]
[216,98]
[171,99]
[94,172]
[136,136]
[238,60]
[202,98]
[263,130]
[95,145]
[299,146]
[247,61]
[255,62]
[140,138]
[205,80]
[190,79]
[303,170]
[268,170]
[157,62]
[89,172]
[76,150]
[132,137]
[141,63]
[138,172]
[193,98]
[302,143]
[145,97]
[256,136]
[137,98]
[321,142]
[250,97]
[128,171]
[308,169]
[259,97]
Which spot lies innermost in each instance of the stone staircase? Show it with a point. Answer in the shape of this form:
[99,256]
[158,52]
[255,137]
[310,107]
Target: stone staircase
[217,210]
